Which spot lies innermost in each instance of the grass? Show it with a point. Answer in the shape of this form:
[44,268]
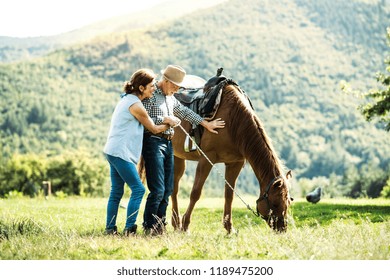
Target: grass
[72,229]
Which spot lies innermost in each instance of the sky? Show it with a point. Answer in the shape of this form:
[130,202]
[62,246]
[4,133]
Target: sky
[31,18]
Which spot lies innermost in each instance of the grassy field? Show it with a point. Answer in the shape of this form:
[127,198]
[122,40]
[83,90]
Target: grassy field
[72,228]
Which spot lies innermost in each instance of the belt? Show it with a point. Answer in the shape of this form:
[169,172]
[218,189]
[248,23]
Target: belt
[160,135]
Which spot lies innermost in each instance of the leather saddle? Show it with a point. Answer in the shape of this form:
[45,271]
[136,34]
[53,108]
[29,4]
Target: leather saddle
[204,103]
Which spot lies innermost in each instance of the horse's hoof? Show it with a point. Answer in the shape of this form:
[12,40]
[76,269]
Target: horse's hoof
[176,227]
[185,230]
[233,231]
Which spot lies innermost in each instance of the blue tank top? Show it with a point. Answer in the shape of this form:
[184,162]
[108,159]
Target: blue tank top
[126,132]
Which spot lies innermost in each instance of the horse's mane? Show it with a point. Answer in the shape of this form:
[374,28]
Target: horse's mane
[248,133]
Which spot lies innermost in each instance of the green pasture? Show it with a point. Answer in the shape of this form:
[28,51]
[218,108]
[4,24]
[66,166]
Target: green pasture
[72,228]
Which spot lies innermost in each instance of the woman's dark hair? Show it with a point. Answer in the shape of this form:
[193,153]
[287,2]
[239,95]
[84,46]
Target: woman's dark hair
[141,77]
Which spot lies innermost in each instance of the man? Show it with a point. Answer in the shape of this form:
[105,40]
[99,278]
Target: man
[157,149]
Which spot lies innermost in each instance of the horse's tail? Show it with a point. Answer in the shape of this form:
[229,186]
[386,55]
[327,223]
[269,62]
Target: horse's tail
[141,170]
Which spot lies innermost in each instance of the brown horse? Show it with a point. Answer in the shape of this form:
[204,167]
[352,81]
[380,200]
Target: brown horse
[242,139]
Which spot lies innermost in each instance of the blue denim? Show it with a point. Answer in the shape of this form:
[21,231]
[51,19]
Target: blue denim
[158,157]
[122,172]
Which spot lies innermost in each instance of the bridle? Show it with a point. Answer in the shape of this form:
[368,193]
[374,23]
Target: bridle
[265,197]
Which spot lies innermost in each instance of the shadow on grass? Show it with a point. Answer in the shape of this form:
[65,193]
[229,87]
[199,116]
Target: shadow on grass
[324,213]
[307,214]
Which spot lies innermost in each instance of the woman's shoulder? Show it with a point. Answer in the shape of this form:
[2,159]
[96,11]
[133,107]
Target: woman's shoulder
[130,98]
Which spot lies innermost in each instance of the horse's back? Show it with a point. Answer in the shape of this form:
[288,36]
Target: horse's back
[219,146]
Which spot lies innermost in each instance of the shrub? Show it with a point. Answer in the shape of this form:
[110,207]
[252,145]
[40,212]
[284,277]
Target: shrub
[14,194]
[73,173]
[386,190]
[22,173]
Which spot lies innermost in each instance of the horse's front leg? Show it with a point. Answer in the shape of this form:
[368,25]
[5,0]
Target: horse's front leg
[232,170]
[180,166]
[202,171]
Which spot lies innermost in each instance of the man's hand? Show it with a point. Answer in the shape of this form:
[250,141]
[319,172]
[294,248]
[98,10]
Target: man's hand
[213,125]
[172,121]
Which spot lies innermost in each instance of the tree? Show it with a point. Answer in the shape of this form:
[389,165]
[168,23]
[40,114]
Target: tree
[381,106]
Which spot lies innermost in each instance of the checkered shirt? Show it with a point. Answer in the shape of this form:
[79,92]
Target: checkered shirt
[159,106]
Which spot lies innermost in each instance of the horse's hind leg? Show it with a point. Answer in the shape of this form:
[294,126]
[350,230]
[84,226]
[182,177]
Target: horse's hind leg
[202,171]
[232,171]
[180,166]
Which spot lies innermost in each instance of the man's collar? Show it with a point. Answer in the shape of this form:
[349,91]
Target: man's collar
[158,90]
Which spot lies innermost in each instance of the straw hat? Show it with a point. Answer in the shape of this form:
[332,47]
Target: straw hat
[174,74]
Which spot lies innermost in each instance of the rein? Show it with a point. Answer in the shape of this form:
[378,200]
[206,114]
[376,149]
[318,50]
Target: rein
[264,196]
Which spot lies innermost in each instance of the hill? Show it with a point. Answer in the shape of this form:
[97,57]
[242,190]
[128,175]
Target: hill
[289,56]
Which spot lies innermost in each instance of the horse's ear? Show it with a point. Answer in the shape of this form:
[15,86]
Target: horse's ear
[289,175]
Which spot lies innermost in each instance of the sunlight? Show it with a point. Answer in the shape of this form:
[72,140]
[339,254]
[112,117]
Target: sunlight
[24,18]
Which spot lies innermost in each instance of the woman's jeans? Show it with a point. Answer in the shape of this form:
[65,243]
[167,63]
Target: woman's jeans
[158,157]
[122,172]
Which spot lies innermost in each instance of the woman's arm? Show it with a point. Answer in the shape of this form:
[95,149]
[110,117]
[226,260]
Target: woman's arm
[139,112]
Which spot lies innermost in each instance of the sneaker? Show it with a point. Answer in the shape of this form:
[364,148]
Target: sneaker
[111,231]
[130,231]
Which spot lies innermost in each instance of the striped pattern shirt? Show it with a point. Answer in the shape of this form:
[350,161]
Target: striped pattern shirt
[159,106]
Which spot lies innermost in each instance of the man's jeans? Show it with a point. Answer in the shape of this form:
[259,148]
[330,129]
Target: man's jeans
[158,157]
[122,172]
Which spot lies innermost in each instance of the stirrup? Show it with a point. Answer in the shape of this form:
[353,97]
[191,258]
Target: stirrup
[188,145]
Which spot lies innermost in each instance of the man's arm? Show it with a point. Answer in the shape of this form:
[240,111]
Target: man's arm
[152,112]
[187,114]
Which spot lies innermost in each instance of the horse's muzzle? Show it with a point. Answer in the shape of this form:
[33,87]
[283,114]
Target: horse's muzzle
[278,224]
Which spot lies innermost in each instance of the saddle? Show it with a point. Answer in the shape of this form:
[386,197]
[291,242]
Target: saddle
[191,97]
[204,103]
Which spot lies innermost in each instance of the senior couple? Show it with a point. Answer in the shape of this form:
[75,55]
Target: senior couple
[143,122]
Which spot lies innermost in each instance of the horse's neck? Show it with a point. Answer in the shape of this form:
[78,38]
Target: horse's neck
[261,154]
[251,138]
[265,172]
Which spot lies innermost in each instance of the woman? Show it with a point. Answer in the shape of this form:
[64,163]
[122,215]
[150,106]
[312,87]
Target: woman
[124,146]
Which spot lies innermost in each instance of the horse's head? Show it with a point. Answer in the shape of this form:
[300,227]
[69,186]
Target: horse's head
[274,202]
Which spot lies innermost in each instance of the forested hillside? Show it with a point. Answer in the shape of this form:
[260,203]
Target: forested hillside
[289,56]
